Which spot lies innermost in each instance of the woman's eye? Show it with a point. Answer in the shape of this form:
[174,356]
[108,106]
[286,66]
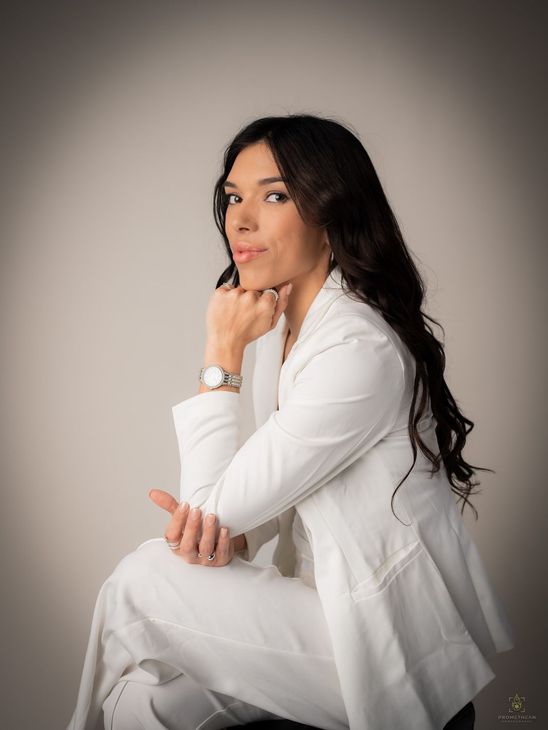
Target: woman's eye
[282,194]
[230,195]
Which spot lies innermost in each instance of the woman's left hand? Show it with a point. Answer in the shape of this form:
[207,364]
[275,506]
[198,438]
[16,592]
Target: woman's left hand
[195,543]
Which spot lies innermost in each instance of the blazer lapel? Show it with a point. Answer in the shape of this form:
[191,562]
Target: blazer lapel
[268,370]
[266,373]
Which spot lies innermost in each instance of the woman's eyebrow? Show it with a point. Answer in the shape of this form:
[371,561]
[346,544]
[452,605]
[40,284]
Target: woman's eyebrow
[264,181]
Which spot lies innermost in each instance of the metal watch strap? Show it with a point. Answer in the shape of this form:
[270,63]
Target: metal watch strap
[233,379]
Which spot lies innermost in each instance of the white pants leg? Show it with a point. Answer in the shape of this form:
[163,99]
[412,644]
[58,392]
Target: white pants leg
[242,631]
[180,704]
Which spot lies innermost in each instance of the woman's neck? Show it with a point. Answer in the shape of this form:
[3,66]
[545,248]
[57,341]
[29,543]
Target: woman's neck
[288,344]
[305,288]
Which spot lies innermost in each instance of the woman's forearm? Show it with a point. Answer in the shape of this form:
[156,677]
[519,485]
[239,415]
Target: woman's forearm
[230,357]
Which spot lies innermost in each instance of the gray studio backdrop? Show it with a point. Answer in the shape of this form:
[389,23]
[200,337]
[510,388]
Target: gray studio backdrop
[115,117]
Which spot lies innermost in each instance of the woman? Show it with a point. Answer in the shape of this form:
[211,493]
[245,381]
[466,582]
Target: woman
[369,617]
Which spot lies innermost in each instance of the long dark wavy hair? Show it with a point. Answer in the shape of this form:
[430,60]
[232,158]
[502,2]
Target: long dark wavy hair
[333,183]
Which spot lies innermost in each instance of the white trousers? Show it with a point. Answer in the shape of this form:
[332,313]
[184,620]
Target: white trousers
[178,646]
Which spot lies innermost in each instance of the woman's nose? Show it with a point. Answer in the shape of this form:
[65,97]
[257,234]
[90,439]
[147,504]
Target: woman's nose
[245,216]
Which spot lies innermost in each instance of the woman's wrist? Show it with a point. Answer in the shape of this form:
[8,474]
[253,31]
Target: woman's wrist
[240,543]
[229,355]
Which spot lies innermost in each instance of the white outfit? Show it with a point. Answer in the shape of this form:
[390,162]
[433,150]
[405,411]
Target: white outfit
[182,703]
[403,617]
[255,639]
[304,558]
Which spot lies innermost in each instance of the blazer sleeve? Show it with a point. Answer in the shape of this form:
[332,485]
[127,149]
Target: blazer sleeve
[210,450]
[343,400]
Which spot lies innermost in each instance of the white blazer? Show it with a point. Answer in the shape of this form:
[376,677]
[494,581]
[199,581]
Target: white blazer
[411,612]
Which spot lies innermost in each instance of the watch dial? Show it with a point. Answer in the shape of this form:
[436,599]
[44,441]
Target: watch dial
[213,376]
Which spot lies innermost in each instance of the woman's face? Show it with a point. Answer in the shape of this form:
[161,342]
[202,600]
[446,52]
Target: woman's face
[261,215]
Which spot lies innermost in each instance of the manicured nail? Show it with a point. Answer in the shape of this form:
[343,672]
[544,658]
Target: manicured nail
[210,519]
[289,288]
[224,531]
[195,513]
[183,506]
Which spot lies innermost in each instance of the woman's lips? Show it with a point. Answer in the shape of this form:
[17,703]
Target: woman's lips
[241,257]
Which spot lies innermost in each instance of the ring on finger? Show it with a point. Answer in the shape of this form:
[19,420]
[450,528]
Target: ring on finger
[209,557]
[273,292]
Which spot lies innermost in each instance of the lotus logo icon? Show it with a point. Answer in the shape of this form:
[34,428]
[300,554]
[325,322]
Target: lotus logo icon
[517,703]
[515,715]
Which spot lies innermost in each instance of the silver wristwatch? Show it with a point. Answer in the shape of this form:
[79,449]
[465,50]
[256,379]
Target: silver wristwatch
[213,376]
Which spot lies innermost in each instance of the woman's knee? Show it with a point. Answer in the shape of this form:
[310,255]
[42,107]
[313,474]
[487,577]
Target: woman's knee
[140,574]
[148,558]
[148,578]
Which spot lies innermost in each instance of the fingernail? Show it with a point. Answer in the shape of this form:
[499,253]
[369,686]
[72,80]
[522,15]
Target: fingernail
[195,513]
[210,519]
[289,288]
[224,531]
[183,506]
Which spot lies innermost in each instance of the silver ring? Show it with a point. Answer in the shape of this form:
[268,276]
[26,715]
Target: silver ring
[209,557]
[274,292]
[173,545]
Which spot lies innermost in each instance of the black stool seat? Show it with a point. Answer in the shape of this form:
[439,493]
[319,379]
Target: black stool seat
[277,725]
[463,720]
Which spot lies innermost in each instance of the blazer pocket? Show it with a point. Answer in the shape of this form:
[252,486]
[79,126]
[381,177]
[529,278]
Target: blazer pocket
[410,580]
[386,572]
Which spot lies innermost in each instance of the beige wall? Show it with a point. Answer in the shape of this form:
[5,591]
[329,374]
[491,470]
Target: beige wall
[115,125]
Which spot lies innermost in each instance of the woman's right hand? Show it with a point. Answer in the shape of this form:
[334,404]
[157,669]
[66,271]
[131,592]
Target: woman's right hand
[236,317]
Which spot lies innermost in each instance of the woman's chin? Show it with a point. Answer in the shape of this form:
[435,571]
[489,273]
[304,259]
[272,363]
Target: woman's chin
[254,283]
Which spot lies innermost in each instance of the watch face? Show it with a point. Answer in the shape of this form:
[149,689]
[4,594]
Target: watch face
[213,376]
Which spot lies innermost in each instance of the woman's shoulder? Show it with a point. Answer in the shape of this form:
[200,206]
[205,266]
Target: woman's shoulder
[359,329]
[351,318]
[340,319]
